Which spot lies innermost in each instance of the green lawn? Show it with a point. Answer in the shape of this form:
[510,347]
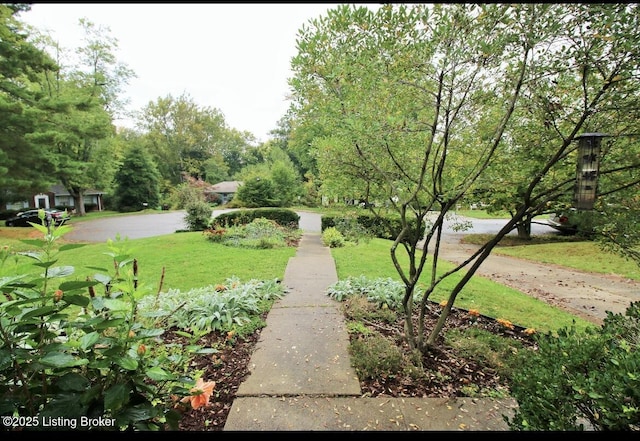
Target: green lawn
[489,298]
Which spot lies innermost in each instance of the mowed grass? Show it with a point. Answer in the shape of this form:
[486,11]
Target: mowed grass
[179,261]
[584,256]
[492,299]
[567,251]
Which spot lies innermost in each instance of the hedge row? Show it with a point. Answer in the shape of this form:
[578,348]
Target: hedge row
[284,217]
[387,227]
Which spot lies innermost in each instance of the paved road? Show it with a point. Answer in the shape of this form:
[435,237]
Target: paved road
[584,294]
[135,226]
[138,226]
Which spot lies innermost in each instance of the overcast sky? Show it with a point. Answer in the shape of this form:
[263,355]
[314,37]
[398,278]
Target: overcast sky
[230,57]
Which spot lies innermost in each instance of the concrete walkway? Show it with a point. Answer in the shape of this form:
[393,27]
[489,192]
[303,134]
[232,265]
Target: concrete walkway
[302,379]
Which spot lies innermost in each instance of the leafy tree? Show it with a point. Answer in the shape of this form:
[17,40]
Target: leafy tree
[297,142]
[257,192]
[421,100]
[137,182]
[277,168]
[23,166]
[82,101]
[598,44]
[183,137]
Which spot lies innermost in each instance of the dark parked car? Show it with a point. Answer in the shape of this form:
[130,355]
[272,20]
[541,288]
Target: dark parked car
[23,218]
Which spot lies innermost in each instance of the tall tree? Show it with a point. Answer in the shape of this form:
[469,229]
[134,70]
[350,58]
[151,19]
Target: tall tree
[137,182]
[23,169]
[182,136]
[420,101]
[276,174]
[83,100]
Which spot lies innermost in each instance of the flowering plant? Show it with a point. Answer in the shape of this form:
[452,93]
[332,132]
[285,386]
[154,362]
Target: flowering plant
[506,323]
[200,393]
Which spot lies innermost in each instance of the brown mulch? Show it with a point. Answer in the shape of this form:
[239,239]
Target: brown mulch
[449,371]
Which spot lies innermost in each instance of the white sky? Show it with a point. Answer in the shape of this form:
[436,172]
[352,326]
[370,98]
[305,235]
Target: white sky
[230,57]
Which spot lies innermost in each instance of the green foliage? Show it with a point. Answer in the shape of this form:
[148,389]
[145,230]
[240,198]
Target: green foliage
[261,233]
[137,182]
[24,168]
[332,238]
[383,292]
[198,217]
[223,307]
[374,356]
[286,181]
[186,140]
[283,216]
[273,181]
[578,380]
[357,307]
[426,127]
[183,195]
[487,348]
[361,227]
[75,128]
[352,230]
[258,192]
[79,348]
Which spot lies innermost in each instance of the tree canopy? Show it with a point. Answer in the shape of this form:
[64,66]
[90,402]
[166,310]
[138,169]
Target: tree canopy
[22,167]
[423,105]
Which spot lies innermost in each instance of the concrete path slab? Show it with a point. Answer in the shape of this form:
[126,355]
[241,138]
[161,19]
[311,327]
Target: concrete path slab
[303,348]
[368,414]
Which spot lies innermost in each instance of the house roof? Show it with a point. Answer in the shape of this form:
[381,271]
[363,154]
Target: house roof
[60,190]
[226,187]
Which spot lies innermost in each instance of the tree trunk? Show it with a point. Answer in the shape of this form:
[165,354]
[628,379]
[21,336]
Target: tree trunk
[78,202]
[524,228]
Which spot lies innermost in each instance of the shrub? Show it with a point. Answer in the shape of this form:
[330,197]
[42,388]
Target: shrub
[73,349]
[198,217]
[332,238]
[352,230]
[577,379]
[184,195]
[261,233]
[282,216]
[365,226]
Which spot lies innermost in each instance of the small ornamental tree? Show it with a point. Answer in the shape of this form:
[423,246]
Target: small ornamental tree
[424,104]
